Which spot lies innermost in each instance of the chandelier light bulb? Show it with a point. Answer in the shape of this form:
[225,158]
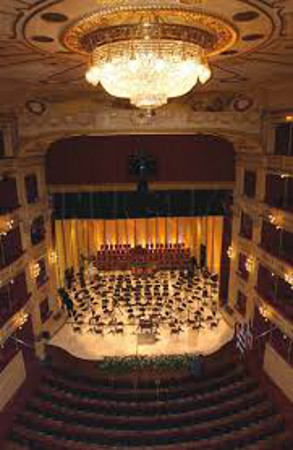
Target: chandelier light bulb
[205,73]
[92,75]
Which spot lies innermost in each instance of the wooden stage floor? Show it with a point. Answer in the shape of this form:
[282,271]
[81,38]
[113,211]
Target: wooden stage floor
[91,347]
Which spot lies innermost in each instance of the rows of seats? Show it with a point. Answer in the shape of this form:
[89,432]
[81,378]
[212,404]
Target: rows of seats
[224,410]
[121,257]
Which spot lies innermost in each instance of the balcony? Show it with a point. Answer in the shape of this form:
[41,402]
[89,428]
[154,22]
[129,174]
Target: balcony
[279,191]
[10,247]
[8,196]
[277,242]
[275,291]
[246,226]
[13,297]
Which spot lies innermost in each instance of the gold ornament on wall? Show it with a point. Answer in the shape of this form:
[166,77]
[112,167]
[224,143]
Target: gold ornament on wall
[231,252]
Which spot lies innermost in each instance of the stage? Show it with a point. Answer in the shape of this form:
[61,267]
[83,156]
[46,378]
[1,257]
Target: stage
[93,347]
[118,313]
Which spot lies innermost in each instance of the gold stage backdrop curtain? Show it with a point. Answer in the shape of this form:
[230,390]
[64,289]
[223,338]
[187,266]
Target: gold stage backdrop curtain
[76,237]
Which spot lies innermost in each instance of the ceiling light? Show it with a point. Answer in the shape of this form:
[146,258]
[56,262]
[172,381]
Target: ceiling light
[149,53]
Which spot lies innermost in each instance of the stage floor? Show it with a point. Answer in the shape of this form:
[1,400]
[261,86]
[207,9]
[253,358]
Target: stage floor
[93,347]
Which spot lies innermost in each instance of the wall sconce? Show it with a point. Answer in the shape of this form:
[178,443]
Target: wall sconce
[231,252]
[289,118]
[263,312]
[35,270]
[249,264]
[6,224]
[272,219]
[21,319]
[277,221]
[53,257]
[289,279]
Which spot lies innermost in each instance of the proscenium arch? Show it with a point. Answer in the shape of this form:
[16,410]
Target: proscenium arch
[97,160]
[38,146]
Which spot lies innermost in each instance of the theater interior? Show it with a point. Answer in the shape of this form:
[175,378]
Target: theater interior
[146,224]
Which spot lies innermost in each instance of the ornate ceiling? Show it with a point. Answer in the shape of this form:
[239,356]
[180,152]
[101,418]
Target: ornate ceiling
[36,69]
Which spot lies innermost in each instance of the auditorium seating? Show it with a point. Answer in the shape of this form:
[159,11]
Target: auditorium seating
[122,257]
[223,410]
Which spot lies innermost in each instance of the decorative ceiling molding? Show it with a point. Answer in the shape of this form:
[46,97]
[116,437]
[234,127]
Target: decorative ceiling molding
[38,132]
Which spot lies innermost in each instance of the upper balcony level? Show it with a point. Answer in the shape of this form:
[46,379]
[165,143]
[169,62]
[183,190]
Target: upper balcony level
[8,195]
[279,191]
[275,291]
[277,241]
[10,247]
[13,296]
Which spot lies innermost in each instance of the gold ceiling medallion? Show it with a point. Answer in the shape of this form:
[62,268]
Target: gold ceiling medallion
[149,53]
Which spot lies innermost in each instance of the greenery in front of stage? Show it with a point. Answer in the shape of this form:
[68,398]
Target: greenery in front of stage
[130,364]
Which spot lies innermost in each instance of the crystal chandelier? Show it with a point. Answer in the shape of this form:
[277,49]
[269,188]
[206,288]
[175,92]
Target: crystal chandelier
[148,53]
[148,72]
